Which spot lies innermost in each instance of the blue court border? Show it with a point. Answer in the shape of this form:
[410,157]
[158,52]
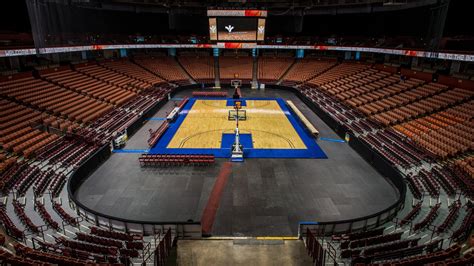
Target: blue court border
[313,150]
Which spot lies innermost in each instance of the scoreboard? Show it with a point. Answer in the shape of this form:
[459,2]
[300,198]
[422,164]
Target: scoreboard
[237,25]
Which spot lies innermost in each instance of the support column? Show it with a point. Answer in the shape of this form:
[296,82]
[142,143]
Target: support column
[54,57]
[14,62]
[299,54]
[108,54]
[347,55]
[217,81]
[255,68]
[414,62]
[357,56]
[172,52]
[123,53]
[455,67]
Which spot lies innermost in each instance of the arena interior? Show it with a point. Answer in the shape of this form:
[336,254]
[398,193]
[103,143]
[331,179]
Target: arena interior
[328,132]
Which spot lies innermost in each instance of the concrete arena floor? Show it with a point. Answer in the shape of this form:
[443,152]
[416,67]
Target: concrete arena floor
[263,197]
[242,252]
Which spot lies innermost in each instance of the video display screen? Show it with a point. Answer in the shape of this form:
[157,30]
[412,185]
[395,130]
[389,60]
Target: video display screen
[237,29]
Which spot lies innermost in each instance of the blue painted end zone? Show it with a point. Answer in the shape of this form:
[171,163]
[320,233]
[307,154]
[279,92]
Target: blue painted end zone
[230,102]
[312,151]
[228,140]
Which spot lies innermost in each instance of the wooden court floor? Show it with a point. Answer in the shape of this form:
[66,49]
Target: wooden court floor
[208,120]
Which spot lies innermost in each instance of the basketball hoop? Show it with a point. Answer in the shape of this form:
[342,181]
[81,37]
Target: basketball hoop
[236,83]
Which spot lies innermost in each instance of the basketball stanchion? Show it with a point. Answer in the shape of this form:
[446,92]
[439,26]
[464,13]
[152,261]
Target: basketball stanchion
[237,148]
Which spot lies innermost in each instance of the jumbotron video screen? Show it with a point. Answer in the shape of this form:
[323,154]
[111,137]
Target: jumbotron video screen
[236,29]
[237,25]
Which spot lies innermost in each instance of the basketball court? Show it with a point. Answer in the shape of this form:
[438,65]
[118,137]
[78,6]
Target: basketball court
[268,129]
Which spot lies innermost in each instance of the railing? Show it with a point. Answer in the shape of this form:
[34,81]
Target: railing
[352,225]
[147,252]
[315,249]
[163,249]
